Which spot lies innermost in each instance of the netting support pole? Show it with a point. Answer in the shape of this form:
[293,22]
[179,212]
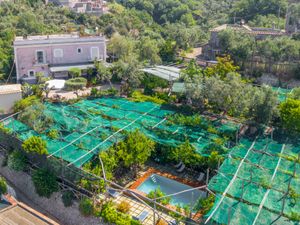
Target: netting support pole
[243,186]
[62,166]
[207,177]
[229,214]
[154,207]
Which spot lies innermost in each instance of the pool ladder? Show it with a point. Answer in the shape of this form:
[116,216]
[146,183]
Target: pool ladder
[153,178]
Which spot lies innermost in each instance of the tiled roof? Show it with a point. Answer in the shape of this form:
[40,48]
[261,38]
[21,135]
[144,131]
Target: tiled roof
[18,213]
[56,39]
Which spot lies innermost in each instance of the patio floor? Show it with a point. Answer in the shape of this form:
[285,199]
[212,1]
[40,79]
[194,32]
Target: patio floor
[136,208]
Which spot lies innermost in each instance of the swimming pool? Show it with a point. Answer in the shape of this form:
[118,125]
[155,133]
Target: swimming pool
[169,186]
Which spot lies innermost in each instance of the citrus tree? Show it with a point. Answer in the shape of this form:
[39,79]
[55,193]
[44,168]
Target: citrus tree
[35,145]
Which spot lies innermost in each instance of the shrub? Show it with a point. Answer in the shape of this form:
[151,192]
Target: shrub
[181,119]
[94,92]
[75,72]
[205,204]
[3,186]
[53,134]
[67,198]
[35,117]
[157,193]
[75,83]
[4,129]
[111,215]
[25,102]
[212,130]
[123,207]
[44,182]
[17,161]
[139,97]
[86,207]
[35,145]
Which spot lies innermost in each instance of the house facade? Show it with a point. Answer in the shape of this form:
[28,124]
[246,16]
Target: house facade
[95,7]
[55,55]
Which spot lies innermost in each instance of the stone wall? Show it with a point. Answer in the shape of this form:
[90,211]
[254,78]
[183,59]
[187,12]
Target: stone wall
[52,207]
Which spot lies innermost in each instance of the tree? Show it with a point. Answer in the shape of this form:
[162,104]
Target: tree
[110,163]
[237,44]
[17,161]
[86,207]
[67,198]
[103,72]
[44,182]
[121,47]
[248,9]
[3,186]
[135,150]
[129,73]
[149,50]
[35,117]
[263,104]
[35,145]
[25,102]
[157,193]
[187,154]
[290,114]
[269,20]
[75,72]
[185,37]
[168,51]
[224,66]
[29,23]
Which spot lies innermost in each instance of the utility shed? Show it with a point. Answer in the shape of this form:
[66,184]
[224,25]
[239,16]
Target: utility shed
[9,94]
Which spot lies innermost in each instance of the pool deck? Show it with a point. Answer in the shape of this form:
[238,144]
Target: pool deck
[151,171]
[197,216]
[136,208]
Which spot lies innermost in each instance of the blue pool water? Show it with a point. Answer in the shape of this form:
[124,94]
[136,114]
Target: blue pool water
[169,186]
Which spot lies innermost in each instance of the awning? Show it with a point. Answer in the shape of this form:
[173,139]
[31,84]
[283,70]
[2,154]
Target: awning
[169,73]
[54,69]
[178,88]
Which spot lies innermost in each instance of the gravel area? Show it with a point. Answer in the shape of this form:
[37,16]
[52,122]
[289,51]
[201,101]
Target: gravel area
[67,95]
[52,207]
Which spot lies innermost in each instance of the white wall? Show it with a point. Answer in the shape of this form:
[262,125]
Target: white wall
[7,101]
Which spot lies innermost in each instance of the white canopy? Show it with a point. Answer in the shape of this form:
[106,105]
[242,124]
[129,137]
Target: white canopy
[169,73]
[56,84]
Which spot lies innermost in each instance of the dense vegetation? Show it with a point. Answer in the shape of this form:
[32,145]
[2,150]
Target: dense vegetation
[147,31]
[144,32]
[44,182]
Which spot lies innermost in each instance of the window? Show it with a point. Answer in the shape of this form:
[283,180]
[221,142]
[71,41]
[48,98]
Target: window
[31,73]
[94,53]
[58,53]
[40,57]
[79,50]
